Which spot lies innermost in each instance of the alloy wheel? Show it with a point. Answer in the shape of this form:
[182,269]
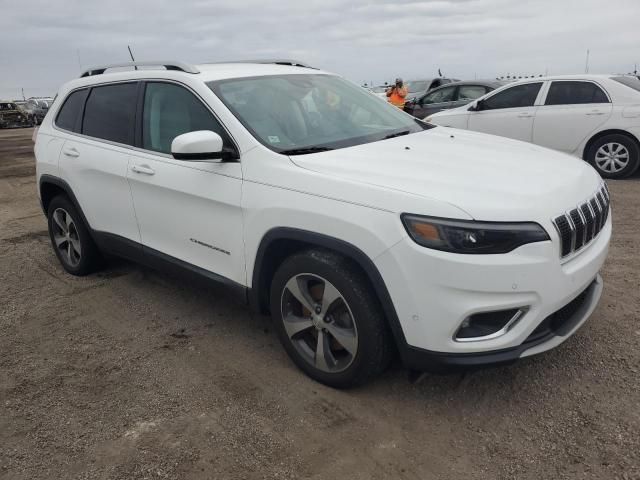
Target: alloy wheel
[319,322]
[66,238]
[612,157]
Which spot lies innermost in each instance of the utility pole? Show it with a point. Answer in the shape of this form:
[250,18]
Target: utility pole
[586,66]
[23,97]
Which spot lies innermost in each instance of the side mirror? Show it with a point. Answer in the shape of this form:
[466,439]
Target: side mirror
[201,146]
[476,106]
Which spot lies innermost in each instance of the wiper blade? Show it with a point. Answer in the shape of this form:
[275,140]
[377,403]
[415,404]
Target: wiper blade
[303,151]
[397,134]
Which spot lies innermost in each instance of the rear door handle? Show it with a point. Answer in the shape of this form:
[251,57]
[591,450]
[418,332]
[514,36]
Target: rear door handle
[144,169]
[525,115]
[71,152]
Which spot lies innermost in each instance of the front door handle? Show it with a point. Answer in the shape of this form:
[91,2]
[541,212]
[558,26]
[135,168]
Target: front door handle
[71,152]
[595,112]
[525,115]
[144,169]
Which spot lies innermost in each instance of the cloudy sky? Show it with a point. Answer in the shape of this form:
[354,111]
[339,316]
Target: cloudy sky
[45,43]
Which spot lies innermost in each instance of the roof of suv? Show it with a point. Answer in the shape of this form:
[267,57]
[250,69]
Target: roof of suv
[205,72]
[217,70]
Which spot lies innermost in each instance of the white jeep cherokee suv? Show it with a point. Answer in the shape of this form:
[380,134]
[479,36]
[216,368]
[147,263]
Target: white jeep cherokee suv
[362,230]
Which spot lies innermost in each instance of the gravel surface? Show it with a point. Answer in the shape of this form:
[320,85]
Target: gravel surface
[131,373]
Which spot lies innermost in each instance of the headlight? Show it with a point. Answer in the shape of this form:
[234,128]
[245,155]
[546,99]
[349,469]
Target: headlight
[468,236]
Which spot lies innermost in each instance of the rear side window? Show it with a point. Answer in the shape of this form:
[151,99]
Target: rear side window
[171,110]
[572,93]
[69,115]
[470,92]
[517,96]
[110,112]
[439,96]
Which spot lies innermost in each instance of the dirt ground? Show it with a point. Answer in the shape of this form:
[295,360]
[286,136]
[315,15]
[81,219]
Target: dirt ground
[131,374]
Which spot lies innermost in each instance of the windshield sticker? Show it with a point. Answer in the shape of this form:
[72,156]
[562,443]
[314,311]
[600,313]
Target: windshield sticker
[273,139]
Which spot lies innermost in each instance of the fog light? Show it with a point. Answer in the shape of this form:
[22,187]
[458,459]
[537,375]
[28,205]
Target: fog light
[488,325]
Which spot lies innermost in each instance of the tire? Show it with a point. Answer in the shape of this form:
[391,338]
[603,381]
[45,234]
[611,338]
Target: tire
[614,156]
[353,330]
[70,238]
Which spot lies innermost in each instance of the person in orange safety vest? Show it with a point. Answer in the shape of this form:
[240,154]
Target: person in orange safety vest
[396,95]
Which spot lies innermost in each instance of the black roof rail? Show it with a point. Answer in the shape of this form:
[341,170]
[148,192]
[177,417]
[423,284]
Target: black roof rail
[169,65]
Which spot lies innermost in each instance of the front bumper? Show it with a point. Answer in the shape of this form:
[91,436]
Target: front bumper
[568,323]
[14,122]
[433,292]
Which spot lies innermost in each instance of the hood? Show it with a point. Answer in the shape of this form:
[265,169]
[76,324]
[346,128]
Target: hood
[489,177]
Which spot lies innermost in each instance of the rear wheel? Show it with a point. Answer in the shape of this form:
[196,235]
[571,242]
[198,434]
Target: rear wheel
[614,156]
[70,238]
[328,320]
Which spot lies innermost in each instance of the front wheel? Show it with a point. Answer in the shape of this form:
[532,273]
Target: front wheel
[328,319]
[614,156]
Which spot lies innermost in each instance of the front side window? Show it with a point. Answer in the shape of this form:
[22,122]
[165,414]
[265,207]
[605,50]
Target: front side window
[292,114]
[171,110]
[517,96]
[572,93]
[69,115]
[470,92]
[110,112]
[439,96]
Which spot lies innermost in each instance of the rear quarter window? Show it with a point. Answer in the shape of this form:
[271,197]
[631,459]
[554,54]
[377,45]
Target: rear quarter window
[69,116]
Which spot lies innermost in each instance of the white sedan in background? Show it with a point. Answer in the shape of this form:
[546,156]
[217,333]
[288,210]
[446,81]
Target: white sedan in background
[594,117]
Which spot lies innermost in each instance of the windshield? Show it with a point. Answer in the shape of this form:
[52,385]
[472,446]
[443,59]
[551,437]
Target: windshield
[631,82]
[418,86]
[297,114]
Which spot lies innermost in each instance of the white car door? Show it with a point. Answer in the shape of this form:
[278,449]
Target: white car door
[95,162]
[508,113]
[572,110]
[188,210]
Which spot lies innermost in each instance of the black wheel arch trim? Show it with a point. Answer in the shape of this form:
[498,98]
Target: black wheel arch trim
[66,188]
[257,293]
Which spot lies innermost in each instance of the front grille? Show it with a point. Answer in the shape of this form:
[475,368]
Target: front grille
[581,225]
